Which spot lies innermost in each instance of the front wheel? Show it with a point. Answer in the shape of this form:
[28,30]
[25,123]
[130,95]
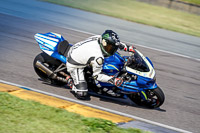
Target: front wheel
[155,98]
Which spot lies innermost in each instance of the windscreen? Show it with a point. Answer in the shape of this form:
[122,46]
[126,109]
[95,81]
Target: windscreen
[136,62]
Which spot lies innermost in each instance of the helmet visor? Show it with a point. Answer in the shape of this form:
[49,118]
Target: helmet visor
[111,49]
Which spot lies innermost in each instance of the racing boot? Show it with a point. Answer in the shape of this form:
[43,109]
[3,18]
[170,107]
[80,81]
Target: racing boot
[81,91]
[82,95]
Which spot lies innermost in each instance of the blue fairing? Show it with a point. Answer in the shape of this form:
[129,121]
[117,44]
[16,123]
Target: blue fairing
[59,57]
[113,64]
[146,82]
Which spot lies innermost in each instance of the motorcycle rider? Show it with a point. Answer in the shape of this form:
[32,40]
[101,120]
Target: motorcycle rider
[92,52]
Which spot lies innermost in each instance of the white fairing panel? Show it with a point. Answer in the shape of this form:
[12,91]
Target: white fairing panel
[149,74]
[48,42]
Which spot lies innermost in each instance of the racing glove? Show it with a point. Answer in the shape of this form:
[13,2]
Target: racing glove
[116,81]
[131,49]
[127,48]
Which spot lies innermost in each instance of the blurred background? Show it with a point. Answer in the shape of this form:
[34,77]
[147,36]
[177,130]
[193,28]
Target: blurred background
[191,6]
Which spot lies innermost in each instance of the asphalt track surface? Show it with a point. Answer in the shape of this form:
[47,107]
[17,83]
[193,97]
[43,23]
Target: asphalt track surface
[178,75]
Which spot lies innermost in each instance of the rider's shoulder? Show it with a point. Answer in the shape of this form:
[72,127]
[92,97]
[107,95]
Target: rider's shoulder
[92,40]
[95,37]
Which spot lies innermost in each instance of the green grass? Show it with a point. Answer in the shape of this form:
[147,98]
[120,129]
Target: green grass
[20,116]
[140,12]
[192,1]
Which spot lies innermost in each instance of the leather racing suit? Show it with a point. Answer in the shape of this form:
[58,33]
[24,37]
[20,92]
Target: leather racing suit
[88,52]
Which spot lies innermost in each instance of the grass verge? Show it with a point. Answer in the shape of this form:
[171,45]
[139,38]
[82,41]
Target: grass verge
[197,2]
[20,116]
[140,12]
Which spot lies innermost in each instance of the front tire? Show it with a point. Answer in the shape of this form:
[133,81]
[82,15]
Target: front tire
[155,98]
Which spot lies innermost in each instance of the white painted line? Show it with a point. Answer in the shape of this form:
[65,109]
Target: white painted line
[101,108]
[185,56]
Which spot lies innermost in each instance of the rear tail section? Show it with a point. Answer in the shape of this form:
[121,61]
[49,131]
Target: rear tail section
[48,42]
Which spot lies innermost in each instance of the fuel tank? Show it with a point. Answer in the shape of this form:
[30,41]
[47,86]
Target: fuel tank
[113,64]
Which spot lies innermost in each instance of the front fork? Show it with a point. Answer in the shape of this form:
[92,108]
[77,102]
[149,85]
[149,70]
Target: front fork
[143,95]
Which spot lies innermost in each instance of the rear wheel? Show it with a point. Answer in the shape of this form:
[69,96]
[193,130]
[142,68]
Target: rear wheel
[42,58]
[49,62]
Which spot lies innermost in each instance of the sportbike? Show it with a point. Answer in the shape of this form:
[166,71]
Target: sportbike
[136,70]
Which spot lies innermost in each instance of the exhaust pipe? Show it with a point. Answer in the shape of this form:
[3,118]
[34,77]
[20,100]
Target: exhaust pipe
[48,72]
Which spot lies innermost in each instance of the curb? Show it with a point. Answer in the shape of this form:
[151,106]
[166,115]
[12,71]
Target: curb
[28,94]
[121,119]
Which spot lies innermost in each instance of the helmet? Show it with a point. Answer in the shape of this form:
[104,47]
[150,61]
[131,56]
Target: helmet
[109,43]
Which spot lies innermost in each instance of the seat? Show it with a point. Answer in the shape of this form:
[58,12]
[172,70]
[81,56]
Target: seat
[63,48]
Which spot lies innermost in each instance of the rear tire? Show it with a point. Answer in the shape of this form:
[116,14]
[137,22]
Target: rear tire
[49,62]
[42,58]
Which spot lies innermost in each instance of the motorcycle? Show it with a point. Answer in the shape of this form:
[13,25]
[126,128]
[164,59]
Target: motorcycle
[136,70]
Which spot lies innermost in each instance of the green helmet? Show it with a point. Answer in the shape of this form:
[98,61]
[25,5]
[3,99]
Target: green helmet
[109,43]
